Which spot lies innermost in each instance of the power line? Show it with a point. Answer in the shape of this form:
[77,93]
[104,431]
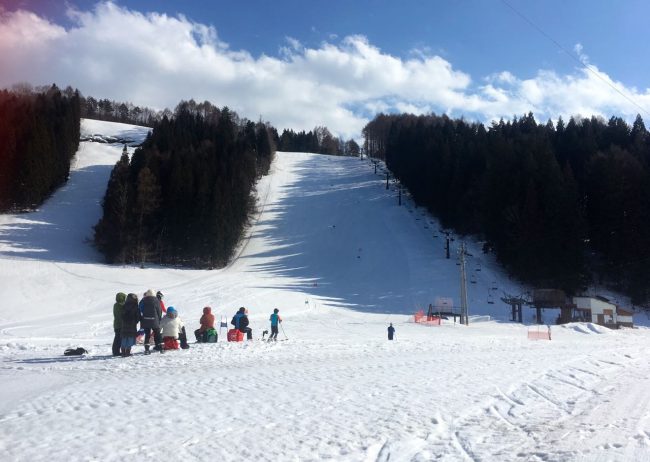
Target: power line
[574,57]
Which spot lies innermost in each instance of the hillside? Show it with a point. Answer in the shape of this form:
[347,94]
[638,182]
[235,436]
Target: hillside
[334,252]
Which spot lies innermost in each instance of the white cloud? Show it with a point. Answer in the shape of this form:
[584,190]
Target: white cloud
[579,50]
[294,43]
[156,60]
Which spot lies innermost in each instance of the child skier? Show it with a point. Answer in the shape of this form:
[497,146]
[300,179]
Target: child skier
[275,322]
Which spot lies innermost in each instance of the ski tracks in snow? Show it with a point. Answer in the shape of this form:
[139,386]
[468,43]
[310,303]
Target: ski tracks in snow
[541,419]
[585,409]
[412,400]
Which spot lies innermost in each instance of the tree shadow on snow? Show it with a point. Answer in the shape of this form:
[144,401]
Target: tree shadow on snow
[332,236]
[61,230]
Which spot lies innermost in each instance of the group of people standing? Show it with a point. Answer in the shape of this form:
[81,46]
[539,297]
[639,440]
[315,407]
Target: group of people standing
[150,312]
[165,324]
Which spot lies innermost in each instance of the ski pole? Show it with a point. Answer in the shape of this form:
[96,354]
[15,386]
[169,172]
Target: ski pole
[284,333]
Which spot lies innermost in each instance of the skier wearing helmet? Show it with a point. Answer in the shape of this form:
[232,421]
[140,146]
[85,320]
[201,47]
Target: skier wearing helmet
[275,322]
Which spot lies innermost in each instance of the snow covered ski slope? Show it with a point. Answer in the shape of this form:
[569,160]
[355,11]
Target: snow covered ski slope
[335,253]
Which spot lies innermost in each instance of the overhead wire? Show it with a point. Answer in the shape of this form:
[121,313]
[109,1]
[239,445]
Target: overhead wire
[574,57]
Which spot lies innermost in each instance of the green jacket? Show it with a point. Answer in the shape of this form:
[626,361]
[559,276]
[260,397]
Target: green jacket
[118,309]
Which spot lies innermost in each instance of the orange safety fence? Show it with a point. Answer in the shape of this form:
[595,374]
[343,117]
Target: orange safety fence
[539,333]
[420,318]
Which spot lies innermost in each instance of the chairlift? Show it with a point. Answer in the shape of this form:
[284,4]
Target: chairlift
[494,285]
[490,300]
[472,278]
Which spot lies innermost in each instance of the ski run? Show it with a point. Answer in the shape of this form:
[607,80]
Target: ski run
[333,251]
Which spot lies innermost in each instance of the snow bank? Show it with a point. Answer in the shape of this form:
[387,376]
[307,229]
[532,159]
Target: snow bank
[104,131]
[587,328]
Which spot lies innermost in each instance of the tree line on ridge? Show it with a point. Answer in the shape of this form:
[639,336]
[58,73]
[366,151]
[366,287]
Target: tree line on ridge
[561,204]
[39,130]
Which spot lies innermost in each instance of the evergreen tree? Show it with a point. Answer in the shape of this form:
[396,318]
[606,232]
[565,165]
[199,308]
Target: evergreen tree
[189,188]
[40,135]
[543,196]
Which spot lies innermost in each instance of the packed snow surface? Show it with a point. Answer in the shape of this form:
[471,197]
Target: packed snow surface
[334,252]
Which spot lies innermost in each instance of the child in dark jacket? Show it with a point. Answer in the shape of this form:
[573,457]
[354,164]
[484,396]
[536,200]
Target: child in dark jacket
[130,319]
[240,321]
[391,331]
[118,309]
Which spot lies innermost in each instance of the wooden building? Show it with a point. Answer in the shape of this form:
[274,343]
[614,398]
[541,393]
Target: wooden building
[601,311]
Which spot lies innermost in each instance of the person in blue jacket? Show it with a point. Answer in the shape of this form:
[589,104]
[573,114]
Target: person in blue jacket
[391,331]
[240,321]
[275,323]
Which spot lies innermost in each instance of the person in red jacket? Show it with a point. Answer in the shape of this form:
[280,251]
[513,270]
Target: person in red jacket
[207,322]
[159,296]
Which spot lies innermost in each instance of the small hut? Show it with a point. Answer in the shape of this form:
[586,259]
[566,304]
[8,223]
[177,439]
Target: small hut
[601,311]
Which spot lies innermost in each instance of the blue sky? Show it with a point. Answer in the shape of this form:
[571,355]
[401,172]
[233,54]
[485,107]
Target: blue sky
[505,65]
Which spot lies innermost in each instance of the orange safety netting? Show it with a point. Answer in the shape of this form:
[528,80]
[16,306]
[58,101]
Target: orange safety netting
[421,318]
[539,334]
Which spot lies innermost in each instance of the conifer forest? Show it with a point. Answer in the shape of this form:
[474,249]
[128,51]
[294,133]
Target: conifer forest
[186,193]
[560,204]
[39,135]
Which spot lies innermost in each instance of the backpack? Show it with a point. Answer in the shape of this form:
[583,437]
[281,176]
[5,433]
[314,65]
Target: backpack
[211,336]
[75,352]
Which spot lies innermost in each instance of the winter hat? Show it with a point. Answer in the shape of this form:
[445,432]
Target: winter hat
[207,310]
[275,310]
[149,293]
[242,309]
[120,298]
[159,294]
[172,311]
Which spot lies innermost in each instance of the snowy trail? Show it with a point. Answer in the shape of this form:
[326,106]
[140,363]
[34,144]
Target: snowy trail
[328,399]
[335,253]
